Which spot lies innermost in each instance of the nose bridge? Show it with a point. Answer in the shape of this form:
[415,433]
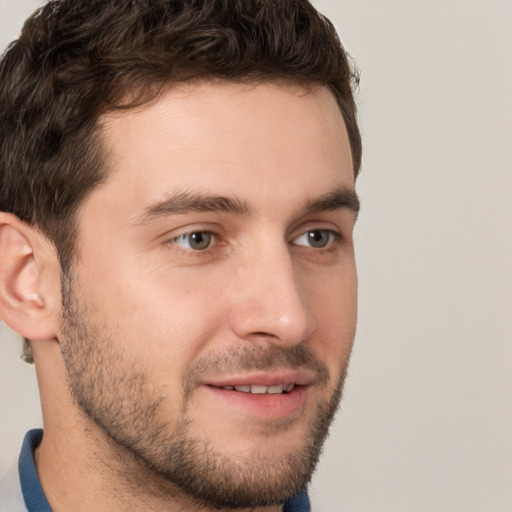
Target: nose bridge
[270,300]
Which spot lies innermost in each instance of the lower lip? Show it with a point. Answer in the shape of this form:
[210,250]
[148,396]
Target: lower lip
[267,406]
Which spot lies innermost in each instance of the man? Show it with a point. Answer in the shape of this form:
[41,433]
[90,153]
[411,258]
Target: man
[177,206]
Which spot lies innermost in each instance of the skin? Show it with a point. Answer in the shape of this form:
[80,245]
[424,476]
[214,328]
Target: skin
[185,319]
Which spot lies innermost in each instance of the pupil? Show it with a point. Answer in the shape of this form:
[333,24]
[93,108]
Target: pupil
[318,238]
[200,240]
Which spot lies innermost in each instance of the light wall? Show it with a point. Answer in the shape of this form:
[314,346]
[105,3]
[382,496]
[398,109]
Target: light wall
[426,424]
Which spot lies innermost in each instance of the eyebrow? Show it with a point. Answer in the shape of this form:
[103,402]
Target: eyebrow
[186,202]
[339,198]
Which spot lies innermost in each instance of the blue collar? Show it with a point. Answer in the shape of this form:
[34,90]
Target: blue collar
[299,503]
[33,493]
[36,501]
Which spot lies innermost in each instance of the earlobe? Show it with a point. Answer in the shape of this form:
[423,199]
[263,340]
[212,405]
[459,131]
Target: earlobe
[27,300]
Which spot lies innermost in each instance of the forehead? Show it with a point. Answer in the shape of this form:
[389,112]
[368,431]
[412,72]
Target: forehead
[229,136]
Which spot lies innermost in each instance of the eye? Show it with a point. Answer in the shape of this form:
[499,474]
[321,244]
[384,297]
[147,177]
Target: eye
[196,241]
[316,238]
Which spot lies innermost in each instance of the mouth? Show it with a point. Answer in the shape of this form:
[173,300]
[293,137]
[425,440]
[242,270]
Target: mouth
[271,396]
[264,383]
[258,389]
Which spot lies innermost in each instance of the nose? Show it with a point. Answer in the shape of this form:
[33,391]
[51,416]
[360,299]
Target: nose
[269,303]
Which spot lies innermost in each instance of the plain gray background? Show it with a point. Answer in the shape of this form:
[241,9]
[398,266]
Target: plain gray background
[426,423]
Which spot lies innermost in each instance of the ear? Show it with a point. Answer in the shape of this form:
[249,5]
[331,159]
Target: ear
[29,280]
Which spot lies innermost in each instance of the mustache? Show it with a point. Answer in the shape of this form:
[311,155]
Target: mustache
[256,357]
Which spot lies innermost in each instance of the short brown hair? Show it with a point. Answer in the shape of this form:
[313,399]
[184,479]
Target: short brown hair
[76,60]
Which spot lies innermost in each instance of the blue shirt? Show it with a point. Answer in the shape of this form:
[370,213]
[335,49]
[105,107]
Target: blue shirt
[35,498]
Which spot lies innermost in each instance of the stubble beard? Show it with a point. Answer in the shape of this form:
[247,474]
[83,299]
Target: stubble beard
[165,458]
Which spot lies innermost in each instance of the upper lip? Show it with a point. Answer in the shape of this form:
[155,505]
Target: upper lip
[262,378]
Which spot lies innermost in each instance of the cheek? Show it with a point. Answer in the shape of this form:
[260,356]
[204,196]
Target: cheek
[162,318]
[333,306]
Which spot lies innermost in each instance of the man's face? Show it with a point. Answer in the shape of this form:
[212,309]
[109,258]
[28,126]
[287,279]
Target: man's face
[210,314]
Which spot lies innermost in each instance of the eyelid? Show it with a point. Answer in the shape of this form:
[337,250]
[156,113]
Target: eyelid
[199,227]
[333,225]
[334,237]
[171,237]
[184,236]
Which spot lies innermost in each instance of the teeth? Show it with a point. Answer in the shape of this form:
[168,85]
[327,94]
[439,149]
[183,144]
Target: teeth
[256,389]
[275,389]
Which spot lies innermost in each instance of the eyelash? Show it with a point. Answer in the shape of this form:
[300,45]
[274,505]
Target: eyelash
[333,238]
[213,236]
